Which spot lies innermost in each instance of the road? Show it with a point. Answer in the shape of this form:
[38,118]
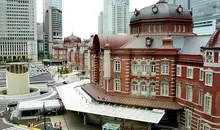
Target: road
[4,126]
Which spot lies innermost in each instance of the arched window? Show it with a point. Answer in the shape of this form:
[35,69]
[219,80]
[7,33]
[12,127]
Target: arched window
[135,86]
[153,67]
[134,66]
[143,66]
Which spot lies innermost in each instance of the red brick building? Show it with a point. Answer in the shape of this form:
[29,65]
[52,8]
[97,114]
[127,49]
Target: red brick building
[161,65]
[71,52]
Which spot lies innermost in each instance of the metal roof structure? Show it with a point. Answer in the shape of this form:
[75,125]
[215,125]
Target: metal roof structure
[82,102]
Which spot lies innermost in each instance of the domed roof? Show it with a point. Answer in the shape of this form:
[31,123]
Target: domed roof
[161,10]
[72,38]
[215,38]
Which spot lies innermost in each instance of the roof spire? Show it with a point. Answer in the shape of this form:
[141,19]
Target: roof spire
[72,32]
[161,1]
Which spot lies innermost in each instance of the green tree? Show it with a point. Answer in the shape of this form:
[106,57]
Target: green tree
[58,69]
[61,70]
[8,60]
[66,70]
[45,57]
[1,58]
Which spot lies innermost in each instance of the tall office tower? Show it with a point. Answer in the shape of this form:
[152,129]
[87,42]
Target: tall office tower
[100,23]
[18,29]
[40,40]
[206,15]
[52,24]
[184,3]
[115,16]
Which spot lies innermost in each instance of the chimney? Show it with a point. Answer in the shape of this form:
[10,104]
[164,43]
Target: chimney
[167,43]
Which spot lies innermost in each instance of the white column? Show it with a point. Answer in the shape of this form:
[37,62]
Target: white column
[84,119]
[89,63]
[107,65]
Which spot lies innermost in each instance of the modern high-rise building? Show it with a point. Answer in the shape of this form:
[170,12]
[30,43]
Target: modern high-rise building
[100,23]
[52,24]
[40,40]
[184,3]
[115,17]
[206,15]
[18,29]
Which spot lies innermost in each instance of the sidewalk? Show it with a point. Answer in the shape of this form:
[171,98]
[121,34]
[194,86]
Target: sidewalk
[72,121]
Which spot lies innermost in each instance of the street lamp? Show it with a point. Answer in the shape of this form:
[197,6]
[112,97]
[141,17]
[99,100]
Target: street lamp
[44,114]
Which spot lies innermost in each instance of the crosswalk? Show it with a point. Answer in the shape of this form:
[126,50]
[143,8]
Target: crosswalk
[16,128]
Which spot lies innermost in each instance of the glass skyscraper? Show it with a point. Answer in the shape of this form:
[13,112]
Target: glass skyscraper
[52,14]
[184,3]
[206,15]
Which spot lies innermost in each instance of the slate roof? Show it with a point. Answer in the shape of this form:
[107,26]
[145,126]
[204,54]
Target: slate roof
[192,45]
[139,42]
[164,11]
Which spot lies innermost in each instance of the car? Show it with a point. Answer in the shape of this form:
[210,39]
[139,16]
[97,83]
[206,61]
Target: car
[65,82]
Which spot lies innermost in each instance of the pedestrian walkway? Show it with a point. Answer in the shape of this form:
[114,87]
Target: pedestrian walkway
[72,121]
[57,119]
[16,128]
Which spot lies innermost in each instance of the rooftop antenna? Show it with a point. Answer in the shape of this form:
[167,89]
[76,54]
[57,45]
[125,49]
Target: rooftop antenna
[72,31]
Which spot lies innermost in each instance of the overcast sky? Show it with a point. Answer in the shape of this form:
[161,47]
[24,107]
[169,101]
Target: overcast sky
[81,16]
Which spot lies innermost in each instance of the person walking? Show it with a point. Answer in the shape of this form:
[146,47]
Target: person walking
[60,126]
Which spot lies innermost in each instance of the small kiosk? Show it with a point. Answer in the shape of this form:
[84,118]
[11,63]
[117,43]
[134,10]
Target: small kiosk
[110,126]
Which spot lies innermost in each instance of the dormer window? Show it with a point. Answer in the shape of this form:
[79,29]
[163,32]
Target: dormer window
[155,9]
[149,41]
[209,56]
[136,12]
[179,9]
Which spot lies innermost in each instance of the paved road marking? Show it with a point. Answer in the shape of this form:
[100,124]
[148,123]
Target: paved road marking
[42,123]
[28,128]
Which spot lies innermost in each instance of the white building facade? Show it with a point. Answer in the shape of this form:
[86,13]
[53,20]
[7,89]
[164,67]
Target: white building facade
[18,28]
[115,17]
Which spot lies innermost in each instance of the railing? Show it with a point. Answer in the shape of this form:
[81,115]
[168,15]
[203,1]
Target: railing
[6,98]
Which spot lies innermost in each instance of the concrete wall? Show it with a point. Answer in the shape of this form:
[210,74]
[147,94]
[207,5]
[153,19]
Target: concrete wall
[17,83]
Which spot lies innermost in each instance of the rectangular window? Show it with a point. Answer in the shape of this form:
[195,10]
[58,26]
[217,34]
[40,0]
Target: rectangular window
[117,85]
[208,79]
[178,70]
[184,28]
[190,72]
[165,68]
[189,93]
[164,89]
[208,103]
[188,118]
[200,99]
[201,74]
[174,28]
[178,90]
[117,66]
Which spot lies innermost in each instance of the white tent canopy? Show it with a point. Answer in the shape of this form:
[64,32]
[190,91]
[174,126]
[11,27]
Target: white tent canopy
[82,102]
[38,105]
